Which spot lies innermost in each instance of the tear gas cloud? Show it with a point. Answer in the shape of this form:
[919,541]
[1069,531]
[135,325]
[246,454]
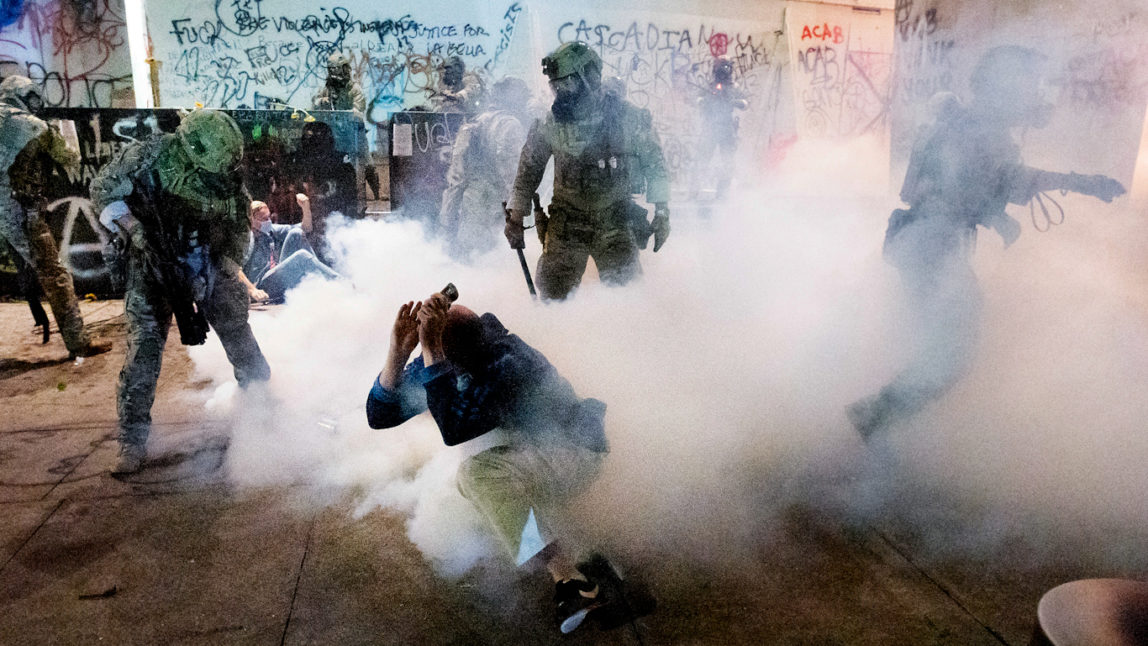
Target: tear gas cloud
[727,368]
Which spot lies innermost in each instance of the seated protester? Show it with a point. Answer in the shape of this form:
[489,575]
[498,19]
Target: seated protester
[474,376]
[280,255]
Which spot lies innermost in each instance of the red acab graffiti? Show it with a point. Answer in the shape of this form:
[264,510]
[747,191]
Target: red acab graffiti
[823,32]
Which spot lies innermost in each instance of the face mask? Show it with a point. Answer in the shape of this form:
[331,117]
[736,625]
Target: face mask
[265,227]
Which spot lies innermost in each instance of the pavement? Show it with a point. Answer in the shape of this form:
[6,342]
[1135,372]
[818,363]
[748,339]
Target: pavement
[179,555]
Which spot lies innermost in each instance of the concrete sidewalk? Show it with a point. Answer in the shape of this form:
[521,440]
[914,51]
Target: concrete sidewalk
[177,555]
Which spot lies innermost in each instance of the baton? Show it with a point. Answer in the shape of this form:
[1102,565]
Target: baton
[522,261]
[526,273]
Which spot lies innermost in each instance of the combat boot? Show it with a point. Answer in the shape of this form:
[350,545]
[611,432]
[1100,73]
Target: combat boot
[92,349]
[619,601]
[131,459]
[574,599]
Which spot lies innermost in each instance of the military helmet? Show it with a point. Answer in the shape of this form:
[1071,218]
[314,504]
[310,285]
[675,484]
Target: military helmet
[211,140]
[572,58]
[452,62]
[339,67]
[453,69]
[20,88]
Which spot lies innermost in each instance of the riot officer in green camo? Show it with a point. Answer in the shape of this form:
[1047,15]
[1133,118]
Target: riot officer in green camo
[30,150]
[604,148]
[340,92]
[962,173]
[177,201]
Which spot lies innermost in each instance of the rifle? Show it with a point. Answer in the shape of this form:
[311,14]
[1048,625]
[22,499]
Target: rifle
[161,259]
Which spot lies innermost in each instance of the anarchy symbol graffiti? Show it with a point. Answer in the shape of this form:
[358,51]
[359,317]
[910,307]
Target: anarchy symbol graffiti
[77,206]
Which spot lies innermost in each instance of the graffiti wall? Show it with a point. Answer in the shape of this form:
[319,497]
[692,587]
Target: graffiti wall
[665,62]
[254,53]
[259,52]
[1096,73]
[1098,69]
[276,165]
[842,71]
[77,50]
[810,69]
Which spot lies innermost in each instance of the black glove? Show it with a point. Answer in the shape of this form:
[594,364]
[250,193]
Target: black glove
[1099,186]
[514,230]
[660,225]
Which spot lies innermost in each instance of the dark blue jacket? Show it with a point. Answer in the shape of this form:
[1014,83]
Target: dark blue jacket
[516,389]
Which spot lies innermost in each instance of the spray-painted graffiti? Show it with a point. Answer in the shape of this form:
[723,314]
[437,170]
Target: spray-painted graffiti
[1108,69]
[654,59]
[1108,78]
[925,49]
[77,52]
[418,179]
[823,32]
[10,12]
[61,90]
[505,35]
[244,53]
[842,86]
[666,67]
[822,94]
[924,53]
[72,250]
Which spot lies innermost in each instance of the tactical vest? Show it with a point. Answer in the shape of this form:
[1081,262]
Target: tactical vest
[603,164]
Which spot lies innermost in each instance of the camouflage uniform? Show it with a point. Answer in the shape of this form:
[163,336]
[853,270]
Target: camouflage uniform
[459,90]
[29,148]
[349,97]
[479,178]
[199,219]
[596,157]
[962,173]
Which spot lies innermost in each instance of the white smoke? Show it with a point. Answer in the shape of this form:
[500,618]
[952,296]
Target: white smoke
[726,369]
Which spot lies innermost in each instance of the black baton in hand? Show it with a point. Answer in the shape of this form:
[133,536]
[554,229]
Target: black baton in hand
[526,273]
[522,261]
